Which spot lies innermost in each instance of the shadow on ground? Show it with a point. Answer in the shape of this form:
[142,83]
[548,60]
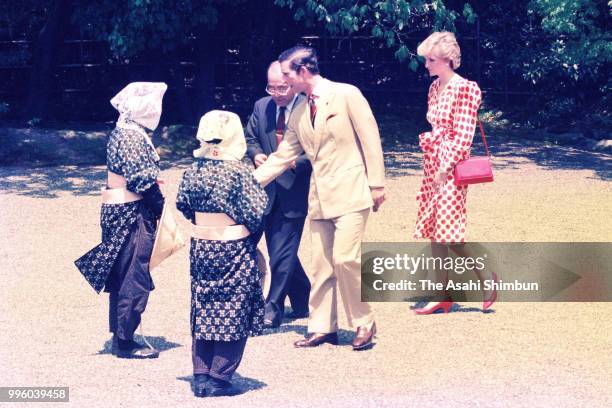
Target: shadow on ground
[158,342]
[244,384]
[345,337]
[456,307]
[402,157]
[509,151]
[552,156]
[49,182]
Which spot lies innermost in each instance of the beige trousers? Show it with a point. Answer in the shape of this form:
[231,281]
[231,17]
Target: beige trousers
[336,253]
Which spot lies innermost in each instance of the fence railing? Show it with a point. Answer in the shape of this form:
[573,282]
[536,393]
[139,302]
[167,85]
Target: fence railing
[86,68]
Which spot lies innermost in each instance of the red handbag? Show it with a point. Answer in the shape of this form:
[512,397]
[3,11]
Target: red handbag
[477,169]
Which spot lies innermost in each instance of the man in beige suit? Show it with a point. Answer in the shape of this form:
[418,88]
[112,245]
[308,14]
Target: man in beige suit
[337,131]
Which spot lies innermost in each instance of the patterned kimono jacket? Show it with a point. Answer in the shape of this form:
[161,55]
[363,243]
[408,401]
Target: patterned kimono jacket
[227,302]
[128,153]
[452,114]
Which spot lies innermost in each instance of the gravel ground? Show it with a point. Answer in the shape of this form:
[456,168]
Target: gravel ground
[524,354]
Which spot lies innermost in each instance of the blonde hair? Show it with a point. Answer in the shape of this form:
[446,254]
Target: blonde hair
[442,44]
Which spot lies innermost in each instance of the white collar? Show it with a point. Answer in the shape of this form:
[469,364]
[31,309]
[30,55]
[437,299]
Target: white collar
[321,87]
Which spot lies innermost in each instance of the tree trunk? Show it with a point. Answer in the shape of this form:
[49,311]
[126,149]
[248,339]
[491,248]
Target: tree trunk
[45,57]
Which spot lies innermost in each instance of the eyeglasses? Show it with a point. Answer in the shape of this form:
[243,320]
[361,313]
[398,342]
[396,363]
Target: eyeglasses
[278,90]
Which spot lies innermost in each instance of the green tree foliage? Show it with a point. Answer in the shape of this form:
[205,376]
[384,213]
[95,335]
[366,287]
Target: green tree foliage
[578,45]
[563,48]
[134,26]
[391,21]
[558,50]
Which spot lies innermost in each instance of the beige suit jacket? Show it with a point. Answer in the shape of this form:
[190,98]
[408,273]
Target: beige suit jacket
[344,149]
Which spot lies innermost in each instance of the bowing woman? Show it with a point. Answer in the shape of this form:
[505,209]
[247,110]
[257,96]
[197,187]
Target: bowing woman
[132,204]
[225,204]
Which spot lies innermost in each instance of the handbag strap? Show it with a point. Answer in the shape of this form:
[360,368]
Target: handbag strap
[484,139]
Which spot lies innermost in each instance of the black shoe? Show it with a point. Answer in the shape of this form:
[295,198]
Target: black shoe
[220,388]
[297,314]
[137,351]
[199,385]
[114,345]
[270,324]
[273,316]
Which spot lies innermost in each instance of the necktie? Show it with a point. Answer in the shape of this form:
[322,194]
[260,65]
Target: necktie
[313,108]
[280,125]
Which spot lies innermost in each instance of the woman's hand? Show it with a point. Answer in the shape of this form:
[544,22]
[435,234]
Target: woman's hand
[439,179]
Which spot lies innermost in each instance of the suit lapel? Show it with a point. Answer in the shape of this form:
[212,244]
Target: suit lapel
[298,101]
[323,110]
[296,107]
[306,131]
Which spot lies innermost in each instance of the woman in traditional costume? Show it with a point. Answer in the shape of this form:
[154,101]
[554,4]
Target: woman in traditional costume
[222,199]
[132,204]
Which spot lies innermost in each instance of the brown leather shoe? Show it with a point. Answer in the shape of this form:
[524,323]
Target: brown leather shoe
[317,339]
[363,337]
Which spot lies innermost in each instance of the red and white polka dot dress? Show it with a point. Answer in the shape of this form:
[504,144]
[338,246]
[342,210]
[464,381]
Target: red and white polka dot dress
[452,113]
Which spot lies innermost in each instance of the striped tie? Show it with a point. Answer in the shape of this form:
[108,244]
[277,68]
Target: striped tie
[280,125]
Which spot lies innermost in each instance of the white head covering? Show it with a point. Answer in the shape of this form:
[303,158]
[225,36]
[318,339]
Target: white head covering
[224,125]
[140,102]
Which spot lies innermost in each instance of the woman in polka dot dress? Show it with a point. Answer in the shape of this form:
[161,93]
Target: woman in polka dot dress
[452,112]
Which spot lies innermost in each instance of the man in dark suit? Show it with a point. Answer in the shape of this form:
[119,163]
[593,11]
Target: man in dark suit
[288,199]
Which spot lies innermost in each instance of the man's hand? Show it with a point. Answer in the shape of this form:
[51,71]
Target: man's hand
[293,165]
[259,159]
[379,196]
